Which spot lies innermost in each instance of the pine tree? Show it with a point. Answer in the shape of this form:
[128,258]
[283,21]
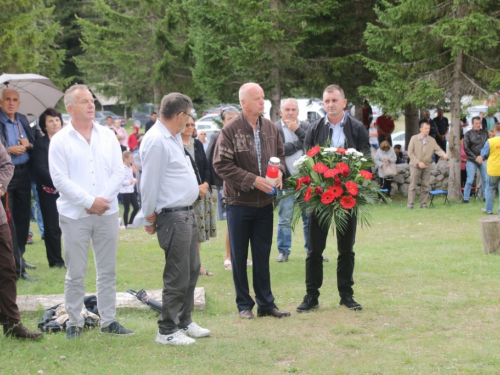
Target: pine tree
[135,50]
[27,32]
[423,50]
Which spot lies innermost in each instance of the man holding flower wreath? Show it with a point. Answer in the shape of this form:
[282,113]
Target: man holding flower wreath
[336,129]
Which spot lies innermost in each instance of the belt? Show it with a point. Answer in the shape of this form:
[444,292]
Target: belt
[176,209]
[21,166]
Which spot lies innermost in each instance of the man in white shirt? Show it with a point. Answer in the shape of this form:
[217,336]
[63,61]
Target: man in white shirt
[168,190]
[86,167]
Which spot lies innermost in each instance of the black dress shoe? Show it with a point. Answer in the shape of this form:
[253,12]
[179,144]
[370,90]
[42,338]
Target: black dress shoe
[309,303]
[27,277]
[29,266]
[350,303]
[273,312]
[58,265]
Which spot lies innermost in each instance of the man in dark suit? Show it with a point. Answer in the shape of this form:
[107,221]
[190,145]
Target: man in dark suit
[18,138]
[338,130]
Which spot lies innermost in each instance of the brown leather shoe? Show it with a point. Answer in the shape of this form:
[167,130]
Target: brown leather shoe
[21,332]
[273,312]
[246,314]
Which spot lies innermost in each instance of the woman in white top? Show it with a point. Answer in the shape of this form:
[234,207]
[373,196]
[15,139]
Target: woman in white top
[384,154]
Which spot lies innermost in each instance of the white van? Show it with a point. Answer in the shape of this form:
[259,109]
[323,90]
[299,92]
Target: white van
[310,110]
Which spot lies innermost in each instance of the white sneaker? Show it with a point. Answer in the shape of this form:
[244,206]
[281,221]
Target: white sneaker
[194,330]
[176,338]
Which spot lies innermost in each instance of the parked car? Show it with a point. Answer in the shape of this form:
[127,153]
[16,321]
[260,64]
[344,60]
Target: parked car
[101,116]
[377,112]
[216,109]
[66,119]
[211,132]
[398,138]
[209,122]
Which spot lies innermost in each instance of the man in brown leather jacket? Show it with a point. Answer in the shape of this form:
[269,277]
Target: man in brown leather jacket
[9,311]
[241,155]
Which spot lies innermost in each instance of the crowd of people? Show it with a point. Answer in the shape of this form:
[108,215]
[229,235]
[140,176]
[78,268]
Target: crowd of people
[82,170]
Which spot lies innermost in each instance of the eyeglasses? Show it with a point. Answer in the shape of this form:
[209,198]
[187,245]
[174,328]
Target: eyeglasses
[190,125]
[186,114]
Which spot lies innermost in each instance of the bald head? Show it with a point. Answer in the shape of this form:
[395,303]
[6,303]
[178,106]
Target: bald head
[252,99]
[10,102]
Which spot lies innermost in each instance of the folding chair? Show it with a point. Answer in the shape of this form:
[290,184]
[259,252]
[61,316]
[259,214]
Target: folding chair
[433,193]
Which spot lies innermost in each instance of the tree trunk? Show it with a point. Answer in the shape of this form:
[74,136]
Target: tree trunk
[411,123]
[275,75]
[454,139]
[490,231]
[358,111]
[156,99]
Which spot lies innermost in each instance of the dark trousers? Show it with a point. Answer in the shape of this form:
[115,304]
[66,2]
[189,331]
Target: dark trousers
[20,205]
[441,144]
[386,183]
[178,237]
[345,259]
[129,199]
[52,234]
[252,225]
[9,312]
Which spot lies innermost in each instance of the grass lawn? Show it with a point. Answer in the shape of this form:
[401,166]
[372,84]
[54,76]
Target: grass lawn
[429,293]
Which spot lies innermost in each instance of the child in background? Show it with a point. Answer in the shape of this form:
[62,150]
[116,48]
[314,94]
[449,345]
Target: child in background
[127,192]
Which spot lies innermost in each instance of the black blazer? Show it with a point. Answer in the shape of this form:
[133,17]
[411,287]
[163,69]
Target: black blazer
[201,162]
[215,178]
[41,162]
[355,133]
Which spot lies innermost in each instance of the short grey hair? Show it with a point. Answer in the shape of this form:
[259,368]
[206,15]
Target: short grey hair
[227,111]
[289,100]
[9,89]
[174,103]
[69,95]
[332,88]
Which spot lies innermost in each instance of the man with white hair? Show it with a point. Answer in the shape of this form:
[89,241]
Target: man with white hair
[86,167]
[241,156]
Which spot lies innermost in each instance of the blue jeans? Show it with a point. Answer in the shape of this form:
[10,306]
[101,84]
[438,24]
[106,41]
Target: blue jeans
[285,213]
[471,168]
[492,183]
[36,205]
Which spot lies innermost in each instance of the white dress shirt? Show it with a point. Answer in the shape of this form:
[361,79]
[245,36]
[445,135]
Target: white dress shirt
[168,179]
[82,171]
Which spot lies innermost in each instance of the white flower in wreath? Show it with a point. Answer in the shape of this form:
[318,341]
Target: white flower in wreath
[363,159]
[353,152]
[299,161]
[329,149]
